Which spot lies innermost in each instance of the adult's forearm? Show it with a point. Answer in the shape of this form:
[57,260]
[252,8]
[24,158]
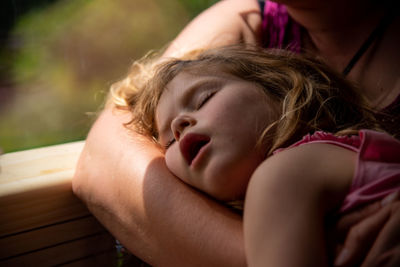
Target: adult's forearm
[123,180]
[225,23]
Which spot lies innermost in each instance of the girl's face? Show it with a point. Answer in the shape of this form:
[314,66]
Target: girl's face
[210,125]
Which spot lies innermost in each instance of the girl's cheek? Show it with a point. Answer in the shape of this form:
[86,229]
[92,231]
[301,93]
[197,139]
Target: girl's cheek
[168,159]
[173,159]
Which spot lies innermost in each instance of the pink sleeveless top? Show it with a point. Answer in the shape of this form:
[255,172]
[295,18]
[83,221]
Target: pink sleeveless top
[279,29]
[377,172]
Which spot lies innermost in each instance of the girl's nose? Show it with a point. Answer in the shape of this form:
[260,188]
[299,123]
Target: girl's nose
[180,123]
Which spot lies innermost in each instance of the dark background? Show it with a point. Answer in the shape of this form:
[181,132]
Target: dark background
[59,57]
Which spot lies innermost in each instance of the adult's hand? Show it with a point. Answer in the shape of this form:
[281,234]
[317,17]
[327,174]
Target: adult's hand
[373,237]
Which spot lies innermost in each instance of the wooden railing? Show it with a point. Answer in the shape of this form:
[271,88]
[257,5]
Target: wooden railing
[41,222]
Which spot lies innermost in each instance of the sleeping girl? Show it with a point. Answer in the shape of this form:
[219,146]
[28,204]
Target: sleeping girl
[281,132]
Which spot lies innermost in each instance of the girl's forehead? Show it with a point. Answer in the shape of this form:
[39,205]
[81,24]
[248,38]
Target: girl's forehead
[194,79]
[186,83]
[180,89]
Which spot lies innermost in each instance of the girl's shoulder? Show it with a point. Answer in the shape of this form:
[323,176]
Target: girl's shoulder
[369,144]
[322,170]
[311,151]
[369,159]
[351,142]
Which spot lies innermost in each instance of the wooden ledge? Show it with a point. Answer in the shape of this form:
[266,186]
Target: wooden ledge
[42,223]
[37,168]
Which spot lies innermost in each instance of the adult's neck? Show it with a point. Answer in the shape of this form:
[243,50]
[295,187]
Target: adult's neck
[336,29]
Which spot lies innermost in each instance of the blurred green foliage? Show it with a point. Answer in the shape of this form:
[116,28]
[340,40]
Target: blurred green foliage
[60,60]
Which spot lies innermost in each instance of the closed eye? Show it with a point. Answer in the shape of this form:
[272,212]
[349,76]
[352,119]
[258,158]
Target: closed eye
[204,98]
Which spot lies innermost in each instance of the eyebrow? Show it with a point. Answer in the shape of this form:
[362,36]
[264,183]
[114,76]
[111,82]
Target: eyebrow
[186,98]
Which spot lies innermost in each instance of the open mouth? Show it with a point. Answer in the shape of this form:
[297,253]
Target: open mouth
[191,144]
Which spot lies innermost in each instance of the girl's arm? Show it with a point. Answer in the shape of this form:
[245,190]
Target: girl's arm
[287,201]
[123,180]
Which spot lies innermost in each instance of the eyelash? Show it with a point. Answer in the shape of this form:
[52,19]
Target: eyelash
[169,143]
[205,98]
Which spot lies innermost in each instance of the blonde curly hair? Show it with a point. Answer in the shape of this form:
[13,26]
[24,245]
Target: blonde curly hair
[311,96]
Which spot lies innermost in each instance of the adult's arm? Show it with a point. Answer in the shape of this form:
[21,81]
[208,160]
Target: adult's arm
[226,22]
[123,180]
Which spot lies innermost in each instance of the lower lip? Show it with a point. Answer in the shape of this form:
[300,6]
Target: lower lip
[197,160]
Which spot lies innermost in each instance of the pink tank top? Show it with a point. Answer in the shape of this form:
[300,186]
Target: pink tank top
[279,29]
[377,172]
